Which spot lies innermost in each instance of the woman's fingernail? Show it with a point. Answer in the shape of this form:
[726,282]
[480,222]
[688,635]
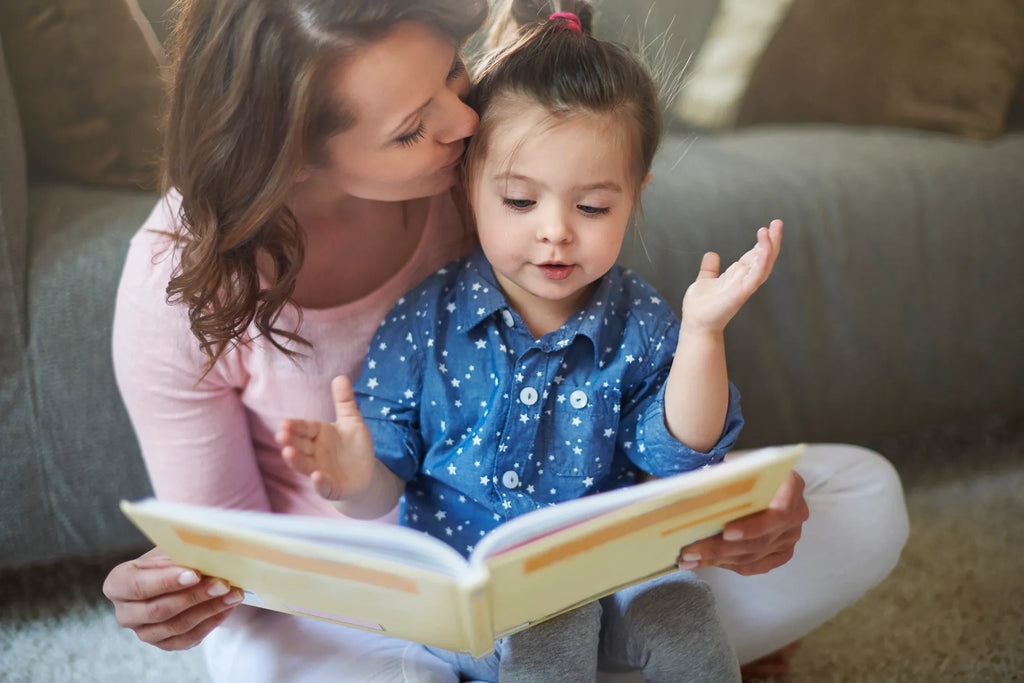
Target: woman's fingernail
[691,557]
[233,598]
[689,565]
[732,534]
[188,578]
[217,589]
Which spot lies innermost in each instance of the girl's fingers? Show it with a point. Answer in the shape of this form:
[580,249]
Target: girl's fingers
[300,462]
[345,407]
[710,264]
[298,429]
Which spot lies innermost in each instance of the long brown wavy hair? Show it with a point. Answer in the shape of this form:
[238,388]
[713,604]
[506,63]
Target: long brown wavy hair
[249,107]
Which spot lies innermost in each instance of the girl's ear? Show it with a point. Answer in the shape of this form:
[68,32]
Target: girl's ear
[303,175]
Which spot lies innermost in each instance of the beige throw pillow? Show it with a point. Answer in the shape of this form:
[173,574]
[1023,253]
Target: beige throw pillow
[717,78]
[945,65]
[87,79]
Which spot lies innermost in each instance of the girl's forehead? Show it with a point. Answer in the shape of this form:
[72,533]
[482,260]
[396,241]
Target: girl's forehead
[515,123]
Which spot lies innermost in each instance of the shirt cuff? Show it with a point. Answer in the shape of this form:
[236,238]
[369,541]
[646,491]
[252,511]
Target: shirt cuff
[660,454]
[395,447]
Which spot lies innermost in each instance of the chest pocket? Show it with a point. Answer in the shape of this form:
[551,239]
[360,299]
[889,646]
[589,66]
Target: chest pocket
[584,423]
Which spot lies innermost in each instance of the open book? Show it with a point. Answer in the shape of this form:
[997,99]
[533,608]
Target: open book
[402,582]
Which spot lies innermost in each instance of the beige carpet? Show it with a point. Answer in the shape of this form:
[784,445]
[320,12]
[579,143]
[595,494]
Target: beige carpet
[953,610]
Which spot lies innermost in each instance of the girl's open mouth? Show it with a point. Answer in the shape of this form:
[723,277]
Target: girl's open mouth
[555,271]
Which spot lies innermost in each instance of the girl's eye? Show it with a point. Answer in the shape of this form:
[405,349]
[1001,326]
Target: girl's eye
[593,210]
[410,139]
[518,204]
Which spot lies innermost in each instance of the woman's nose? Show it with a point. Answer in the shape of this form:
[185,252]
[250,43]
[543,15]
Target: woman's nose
[460,120]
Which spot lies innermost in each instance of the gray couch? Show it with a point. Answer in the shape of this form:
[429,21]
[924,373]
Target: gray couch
[895,304]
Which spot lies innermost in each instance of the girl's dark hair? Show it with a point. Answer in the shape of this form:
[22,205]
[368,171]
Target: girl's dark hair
[567,72]
[249,106]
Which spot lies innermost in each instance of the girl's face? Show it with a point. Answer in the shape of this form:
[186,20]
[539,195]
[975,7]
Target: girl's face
[552,200]
[405,92]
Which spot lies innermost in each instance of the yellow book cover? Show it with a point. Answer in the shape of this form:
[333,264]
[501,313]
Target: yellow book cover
[402,582]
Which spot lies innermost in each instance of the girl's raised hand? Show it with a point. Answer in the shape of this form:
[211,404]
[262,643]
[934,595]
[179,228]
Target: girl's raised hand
[338,458]
[712,300]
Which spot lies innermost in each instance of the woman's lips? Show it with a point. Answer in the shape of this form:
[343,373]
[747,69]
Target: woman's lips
[555,271]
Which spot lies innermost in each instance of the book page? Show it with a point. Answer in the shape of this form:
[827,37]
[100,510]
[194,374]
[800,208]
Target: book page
[545,521]
[383,541]
[545,562]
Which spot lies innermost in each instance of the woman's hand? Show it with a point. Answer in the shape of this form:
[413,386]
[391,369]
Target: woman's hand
[712,300]
[757,543]
[167,605]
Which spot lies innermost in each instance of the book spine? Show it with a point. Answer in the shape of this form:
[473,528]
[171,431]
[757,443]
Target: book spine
[475,613]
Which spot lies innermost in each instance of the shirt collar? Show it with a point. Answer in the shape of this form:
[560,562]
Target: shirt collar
[478,298]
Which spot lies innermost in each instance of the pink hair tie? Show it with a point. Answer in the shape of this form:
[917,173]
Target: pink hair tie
[571,20]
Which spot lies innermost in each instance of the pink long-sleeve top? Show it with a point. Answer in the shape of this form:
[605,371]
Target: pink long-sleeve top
[211,441]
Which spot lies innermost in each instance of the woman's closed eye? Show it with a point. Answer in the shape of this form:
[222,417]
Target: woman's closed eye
[411,138]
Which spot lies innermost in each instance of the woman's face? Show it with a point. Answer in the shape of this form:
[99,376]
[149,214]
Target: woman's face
[405,92]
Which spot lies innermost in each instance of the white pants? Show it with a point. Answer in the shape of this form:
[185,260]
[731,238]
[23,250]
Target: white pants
[856,531]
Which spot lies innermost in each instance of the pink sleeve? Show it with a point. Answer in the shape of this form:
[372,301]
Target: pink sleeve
[194,435]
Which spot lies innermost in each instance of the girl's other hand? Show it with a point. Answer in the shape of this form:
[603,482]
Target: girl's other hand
[712,300]
[168,606]
[338,458]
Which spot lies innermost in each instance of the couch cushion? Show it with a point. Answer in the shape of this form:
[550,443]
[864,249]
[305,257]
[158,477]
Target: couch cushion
[87,74]
[79,240]
[12,195]
[24,516]
[943,65]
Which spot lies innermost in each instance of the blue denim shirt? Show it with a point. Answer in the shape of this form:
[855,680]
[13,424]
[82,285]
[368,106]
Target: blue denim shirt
[484,422]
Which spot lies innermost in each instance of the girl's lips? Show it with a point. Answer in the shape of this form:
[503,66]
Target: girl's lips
[555,271]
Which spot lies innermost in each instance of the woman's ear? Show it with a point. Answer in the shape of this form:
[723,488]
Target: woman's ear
[647,179]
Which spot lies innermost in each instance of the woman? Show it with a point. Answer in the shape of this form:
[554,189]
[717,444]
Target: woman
[311,153]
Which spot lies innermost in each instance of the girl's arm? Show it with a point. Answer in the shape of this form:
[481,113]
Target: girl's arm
[697,389]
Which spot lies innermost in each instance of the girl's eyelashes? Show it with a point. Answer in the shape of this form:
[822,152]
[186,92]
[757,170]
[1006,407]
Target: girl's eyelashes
[526,204]
[517,204]
[410,139]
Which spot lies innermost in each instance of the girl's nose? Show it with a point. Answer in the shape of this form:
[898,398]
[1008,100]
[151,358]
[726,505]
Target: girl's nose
[555,229]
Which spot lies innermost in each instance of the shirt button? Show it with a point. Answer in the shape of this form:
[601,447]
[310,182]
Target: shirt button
[506,315]
[528,396]
[510,479]
[578,399]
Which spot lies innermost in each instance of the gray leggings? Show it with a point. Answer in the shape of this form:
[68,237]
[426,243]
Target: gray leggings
[666,627]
